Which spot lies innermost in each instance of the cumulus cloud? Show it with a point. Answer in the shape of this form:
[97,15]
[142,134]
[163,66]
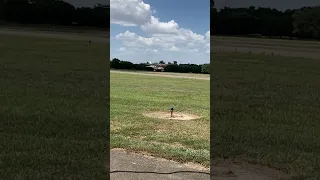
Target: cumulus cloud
[154,26]
[129,12]
[208,35]
[174,48]
[131,39]
[163,36]
[185,41]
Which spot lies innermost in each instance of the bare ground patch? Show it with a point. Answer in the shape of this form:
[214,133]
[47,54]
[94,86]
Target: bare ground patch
[164,74]
[176,116]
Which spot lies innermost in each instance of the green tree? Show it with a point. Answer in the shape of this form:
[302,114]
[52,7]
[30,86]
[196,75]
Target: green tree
[1,9]
[162,62]
[55,12]
[205,69]
[306,22]
[211,3]
[115,63]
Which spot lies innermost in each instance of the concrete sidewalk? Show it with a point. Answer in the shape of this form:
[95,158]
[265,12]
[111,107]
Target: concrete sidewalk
[132,166]
[141,167]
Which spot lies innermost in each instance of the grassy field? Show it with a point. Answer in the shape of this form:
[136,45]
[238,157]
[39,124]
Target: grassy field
[290,48]
[185,141]
[53,109]
[265,110]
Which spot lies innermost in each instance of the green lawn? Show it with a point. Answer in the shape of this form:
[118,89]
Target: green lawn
[266,110]
[184,141]
[53,109]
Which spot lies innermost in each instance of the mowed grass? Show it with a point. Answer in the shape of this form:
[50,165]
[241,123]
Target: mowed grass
[53,109]
[183,141]
[266,110]
[289,48]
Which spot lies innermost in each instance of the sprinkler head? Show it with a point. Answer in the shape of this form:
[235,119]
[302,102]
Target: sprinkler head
[171,109]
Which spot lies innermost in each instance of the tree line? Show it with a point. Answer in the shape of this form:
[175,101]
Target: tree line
[298,23]
[55,12]
[251,21]
[170,67]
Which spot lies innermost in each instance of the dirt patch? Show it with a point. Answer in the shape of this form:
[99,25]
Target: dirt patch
[176,115]
[165,74]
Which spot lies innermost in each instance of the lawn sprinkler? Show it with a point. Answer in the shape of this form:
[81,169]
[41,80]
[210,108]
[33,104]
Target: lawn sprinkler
[171,111]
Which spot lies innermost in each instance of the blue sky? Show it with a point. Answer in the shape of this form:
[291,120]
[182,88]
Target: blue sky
[154,30]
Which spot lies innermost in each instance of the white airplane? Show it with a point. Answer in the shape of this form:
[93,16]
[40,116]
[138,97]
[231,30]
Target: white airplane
[157,67]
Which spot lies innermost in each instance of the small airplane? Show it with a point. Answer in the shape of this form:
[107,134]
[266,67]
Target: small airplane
[157,67]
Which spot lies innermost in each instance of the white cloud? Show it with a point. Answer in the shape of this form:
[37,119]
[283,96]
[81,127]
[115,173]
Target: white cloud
[131,39]
[208,35]
[163,36]
[174,48]
[185,41]
[129,12]
[154,26]
[122,49]
[126,36]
